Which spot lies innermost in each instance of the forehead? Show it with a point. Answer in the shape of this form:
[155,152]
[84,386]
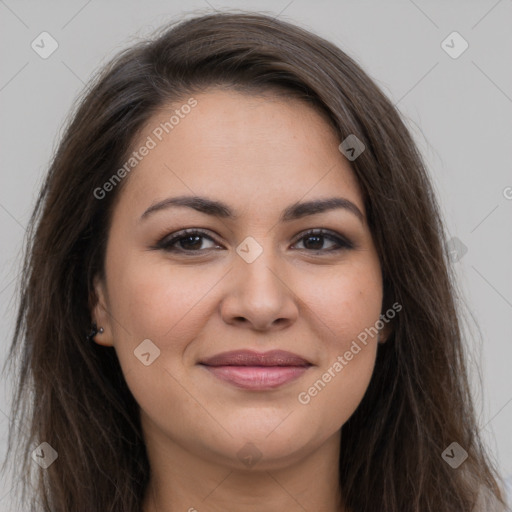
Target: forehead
[263,150]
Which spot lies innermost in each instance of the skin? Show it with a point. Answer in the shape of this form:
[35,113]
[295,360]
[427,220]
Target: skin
[259,155]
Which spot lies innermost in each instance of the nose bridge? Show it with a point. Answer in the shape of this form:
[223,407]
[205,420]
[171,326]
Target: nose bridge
[258,294]
[256,265]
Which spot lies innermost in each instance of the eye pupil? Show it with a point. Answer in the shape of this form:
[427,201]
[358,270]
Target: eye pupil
[184,241]
[316,245]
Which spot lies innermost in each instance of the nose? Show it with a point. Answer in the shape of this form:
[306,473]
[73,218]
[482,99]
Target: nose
[260,295]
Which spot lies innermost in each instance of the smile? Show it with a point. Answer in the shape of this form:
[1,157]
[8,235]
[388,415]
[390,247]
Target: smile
[257,371]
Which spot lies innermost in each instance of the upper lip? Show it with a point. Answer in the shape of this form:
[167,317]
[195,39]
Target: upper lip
[252,358]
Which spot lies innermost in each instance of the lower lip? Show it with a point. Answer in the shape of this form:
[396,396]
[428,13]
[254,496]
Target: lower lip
[257,377]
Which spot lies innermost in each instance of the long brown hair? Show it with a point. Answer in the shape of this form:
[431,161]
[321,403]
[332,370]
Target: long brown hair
[72,394]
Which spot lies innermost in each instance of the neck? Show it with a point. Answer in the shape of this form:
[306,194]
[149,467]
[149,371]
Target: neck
[183,481]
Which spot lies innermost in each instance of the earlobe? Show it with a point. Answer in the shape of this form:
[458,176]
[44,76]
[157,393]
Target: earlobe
[101,325]
[385,333]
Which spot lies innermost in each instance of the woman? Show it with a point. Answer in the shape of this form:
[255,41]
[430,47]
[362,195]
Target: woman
[236,292]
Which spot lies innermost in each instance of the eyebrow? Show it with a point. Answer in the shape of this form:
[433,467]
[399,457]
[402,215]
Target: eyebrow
[222,210]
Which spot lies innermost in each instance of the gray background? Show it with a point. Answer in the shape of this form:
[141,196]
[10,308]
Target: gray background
[459,110]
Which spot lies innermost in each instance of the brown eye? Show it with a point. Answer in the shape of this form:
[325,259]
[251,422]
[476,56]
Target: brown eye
[315,240]
[186,241]
[190,242]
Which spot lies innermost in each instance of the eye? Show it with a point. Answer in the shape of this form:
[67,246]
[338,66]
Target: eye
[314,241]
[186,241]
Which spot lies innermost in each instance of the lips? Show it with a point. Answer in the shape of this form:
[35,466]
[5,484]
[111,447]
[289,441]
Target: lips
[250,358]
[257,371]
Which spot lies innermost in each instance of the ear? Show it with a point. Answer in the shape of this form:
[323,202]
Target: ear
[100,314]
[385,332]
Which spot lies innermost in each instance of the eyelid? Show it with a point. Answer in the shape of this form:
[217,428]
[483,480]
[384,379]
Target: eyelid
[164,242]
[344,242]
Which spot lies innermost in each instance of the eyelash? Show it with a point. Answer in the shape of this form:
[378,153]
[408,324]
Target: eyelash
[167,243]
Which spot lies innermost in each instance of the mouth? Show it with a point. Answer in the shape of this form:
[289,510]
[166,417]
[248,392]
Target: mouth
[256,371]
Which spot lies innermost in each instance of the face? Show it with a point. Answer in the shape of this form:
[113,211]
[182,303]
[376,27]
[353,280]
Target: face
[254,273]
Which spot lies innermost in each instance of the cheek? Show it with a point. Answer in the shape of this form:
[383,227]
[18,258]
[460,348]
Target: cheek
[345,309]
[168,306]
[157,300]
[345,301]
